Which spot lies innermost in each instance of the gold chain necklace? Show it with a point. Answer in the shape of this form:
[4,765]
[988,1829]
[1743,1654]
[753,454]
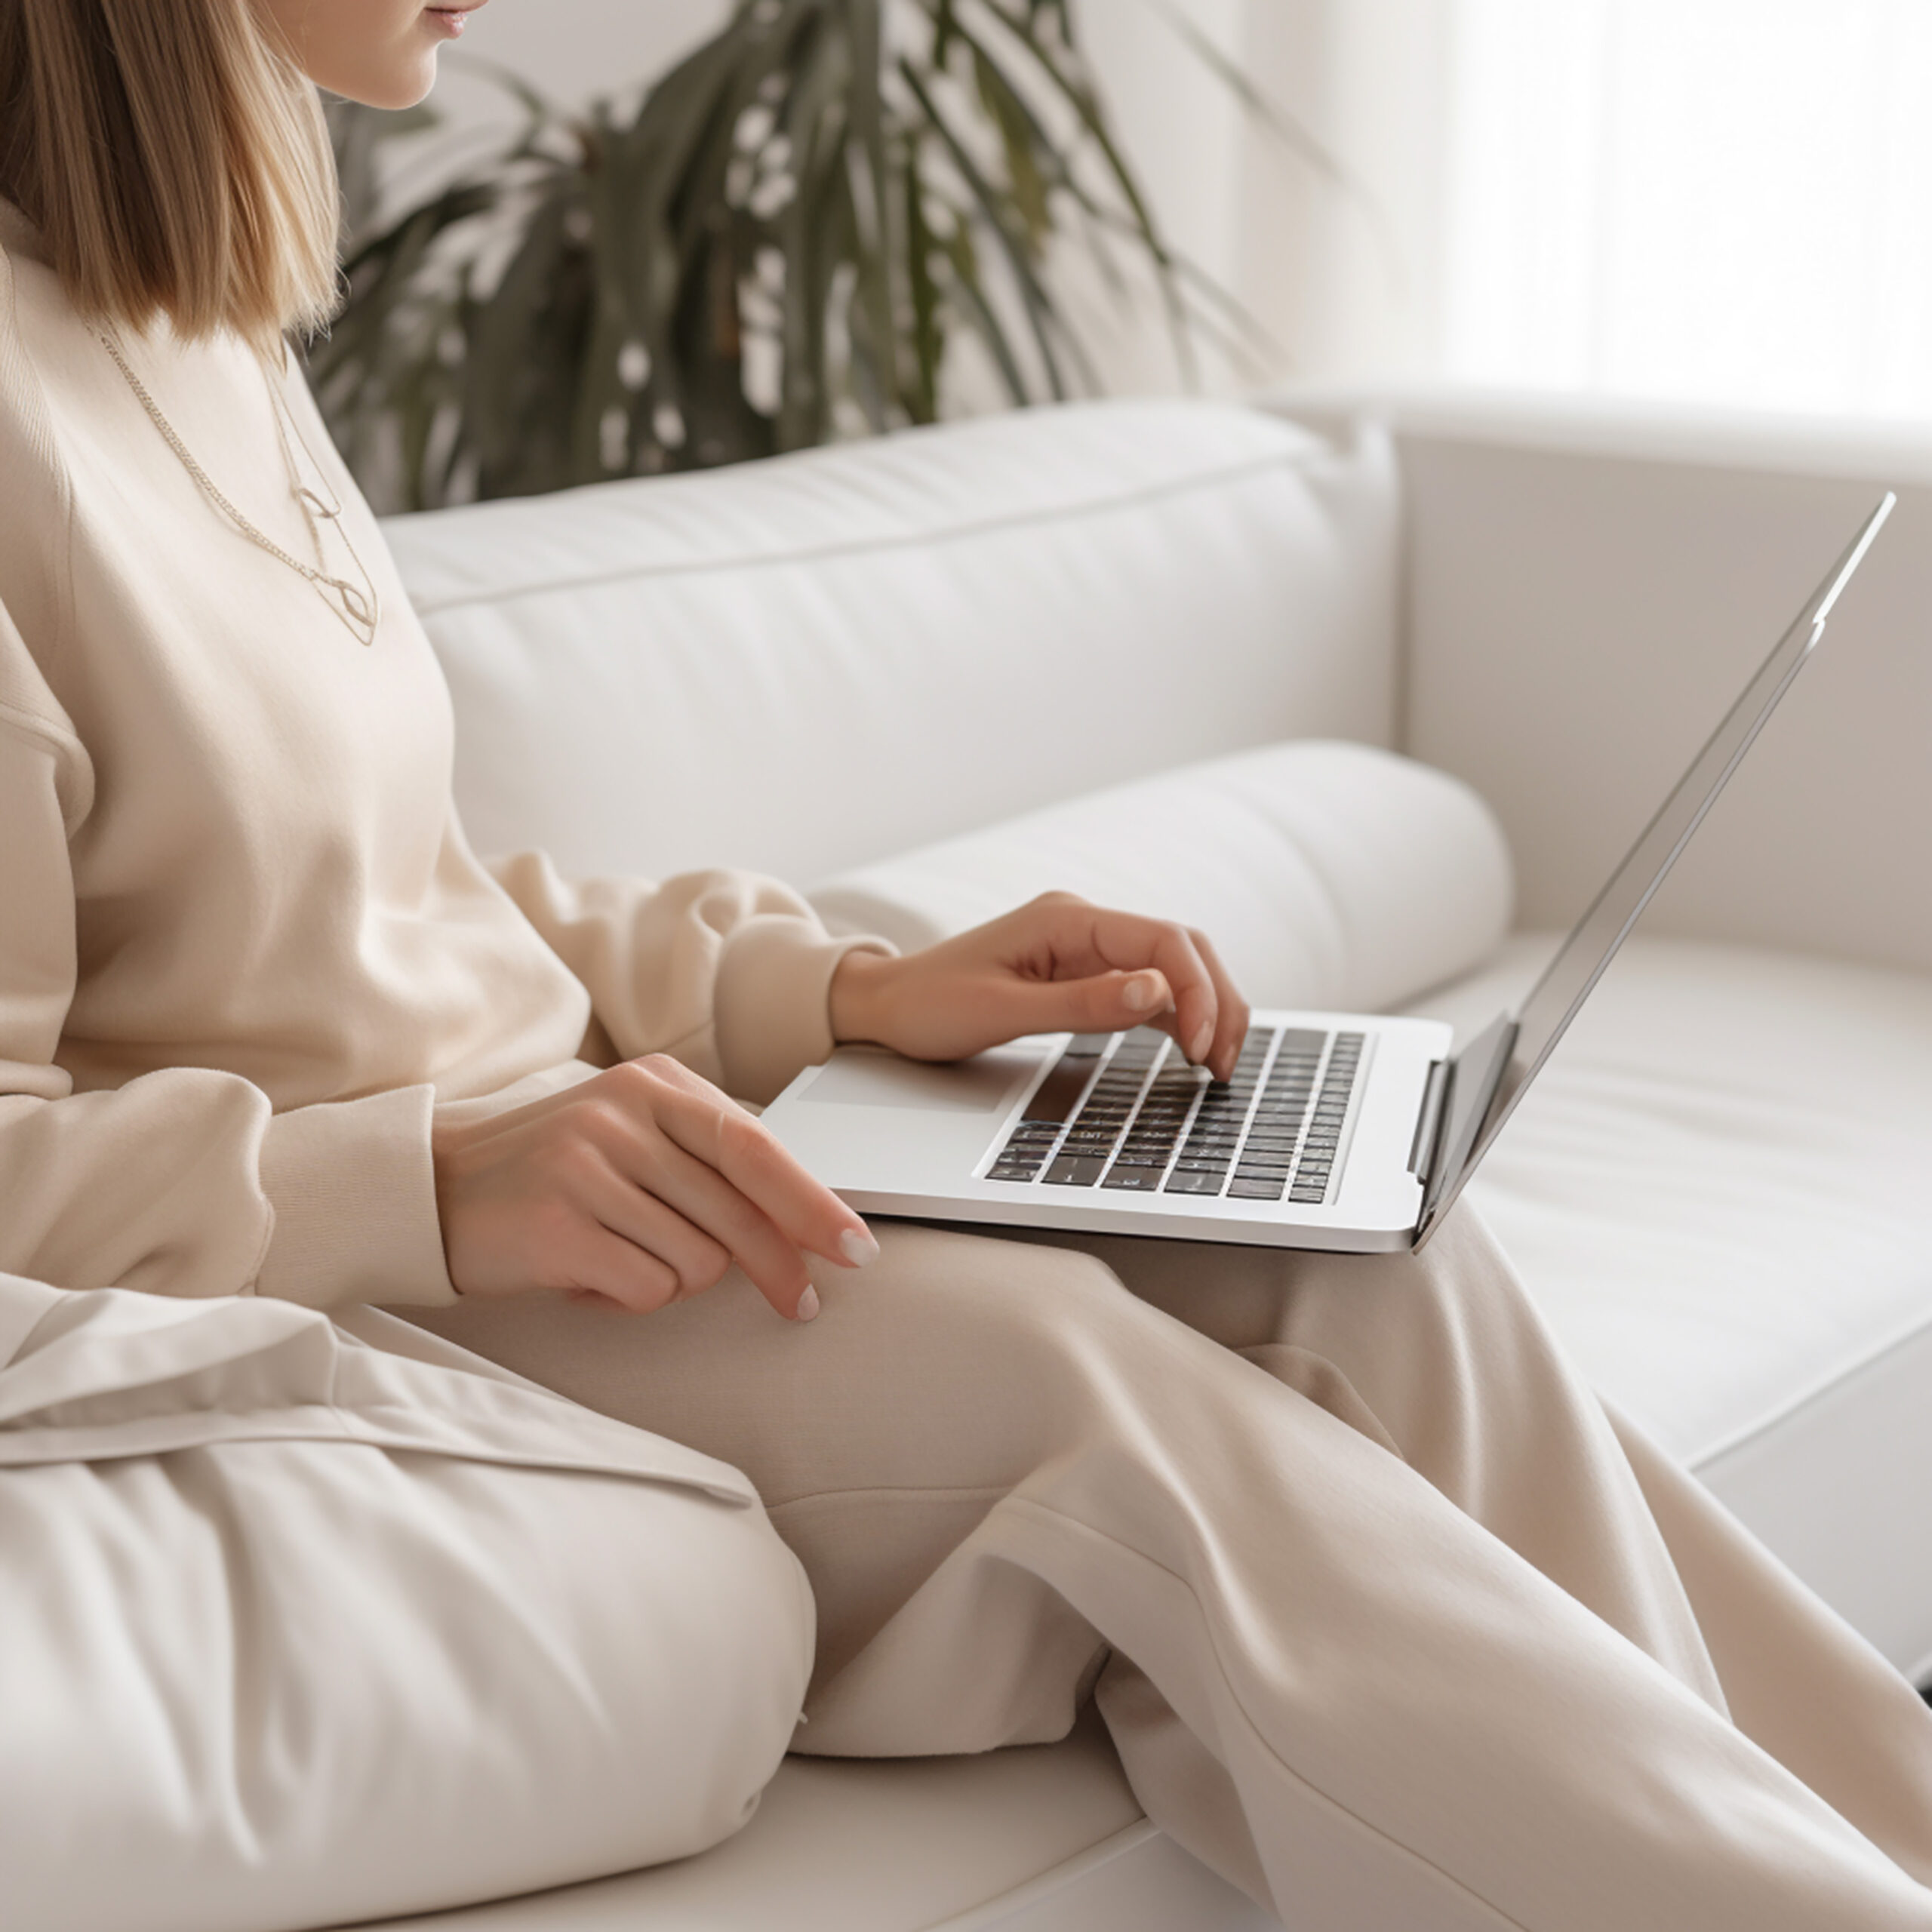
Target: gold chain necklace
[358,606]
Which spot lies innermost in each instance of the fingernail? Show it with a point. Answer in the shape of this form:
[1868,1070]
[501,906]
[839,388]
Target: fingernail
[1140,993]
[807,1306]
[1204,1038]
[858,1247]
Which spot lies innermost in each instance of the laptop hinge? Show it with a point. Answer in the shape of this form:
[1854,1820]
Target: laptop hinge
[1475,1074]
[1428,1121]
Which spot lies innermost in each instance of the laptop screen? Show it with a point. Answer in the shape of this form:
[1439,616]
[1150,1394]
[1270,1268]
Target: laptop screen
[1566,981]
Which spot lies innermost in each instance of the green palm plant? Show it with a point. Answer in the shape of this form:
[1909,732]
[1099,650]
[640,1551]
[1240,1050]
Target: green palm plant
[780,244]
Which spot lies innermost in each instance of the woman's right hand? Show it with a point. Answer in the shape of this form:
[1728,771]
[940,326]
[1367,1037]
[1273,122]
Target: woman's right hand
[641,1186]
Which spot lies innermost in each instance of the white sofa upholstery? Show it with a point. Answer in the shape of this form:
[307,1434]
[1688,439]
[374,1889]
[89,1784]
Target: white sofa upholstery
[1585,588]
[1332,875]
[1720,1192]
[889,643]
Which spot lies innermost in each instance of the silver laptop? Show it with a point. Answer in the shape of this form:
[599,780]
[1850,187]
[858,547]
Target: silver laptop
[1341,1130]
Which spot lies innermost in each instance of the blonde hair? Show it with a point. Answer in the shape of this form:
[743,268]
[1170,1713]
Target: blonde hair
[175,161]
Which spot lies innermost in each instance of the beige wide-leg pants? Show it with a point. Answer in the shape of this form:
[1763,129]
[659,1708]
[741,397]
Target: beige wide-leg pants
[1391,1623]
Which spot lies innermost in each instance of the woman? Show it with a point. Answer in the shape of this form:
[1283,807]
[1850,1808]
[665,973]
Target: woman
[1390,1623]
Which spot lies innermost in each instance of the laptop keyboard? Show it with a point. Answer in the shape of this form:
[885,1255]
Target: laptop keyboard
[1151,1124]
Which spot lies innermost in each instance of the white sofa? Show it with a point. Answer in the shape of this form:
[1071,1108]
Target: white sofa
[1722,1190]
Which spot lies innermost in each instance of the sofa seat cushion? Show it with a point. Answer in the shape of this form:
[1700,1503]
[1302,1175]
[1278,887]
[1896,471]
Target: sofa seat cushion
[1328,874]
[1720,1190]
[1040,1838]
[802,665]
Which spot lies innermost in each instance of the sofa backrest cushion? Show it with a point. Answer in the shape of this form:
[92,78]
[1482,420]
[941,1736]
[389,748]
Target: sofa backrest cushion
[802,665]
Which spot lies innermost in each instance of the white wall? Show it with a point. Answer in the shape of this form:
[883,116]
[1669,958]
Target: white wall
[571,49]
[568,50]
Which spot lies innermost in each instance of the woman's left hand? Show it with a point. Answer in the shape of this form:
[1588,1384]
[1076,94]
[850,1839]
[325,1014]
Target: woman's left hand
[1057,964]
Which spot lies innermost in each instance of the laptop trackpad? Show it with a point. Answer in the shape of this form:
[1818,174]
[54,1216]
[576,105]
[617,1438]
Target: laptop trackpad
[869,1077]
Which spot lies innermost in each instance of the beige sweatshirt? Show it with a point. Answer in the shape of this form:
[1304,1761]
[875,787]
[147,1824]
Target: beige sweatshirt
[245,952]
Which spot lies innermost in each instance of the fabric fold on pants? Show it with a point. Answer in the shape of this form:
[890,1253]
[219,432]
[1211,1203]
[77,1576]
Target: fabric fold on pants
[93,1374]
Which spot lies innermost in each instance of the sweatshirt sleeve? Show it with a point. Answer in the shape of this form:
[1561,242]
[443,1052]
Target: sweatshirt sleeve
[183,1182]
[727,972]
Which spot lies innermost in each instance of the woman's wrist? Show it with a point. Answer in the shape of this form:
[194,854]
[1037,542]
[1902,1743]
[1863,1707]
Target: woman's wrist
[852,1002]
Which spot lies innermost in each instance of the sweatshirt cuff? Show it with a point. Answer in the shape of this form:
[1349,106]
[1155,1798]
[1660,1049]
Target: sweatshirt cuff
[354,1191]
[770,1001]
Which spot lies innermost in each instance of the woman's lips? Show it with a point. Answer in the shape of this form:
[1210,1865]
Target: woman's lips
[451,20]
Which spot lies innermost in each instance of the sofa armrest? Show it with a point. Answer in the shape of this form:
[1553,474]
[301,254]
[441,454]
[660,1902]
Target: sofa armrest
[1587,589]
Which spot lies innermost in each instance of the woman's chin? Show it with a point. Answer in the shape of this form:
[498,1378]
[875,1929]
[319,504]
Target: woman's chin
[401,82]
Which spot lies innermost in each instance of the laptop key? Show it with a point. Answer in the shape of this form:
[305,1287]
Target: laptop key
[1076,1170]
[1135,1180]
[1241,1190]
[1180,1182]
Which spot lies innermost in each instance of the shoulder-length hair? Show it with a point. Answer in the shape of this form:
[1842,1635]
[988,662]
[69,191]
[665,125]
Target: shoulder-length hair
[174,160]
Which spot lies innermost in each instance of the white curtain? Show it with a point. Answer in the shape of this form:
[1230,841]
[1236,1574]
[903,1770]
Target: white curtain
[1724,201]
[1719,201]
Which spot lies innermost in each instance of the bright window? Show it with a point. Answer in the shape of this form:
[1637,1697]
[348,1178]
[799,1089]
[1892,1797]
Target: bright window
[1729,200]
[1716,199]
